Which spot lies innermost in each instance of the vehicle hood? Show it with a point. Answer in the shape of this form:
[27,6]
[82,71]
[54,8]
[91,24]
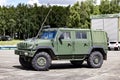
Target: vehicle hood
[32,43]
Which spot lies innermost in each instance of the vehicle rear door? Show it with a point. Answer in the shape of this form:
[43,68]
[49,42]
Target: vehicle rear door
[82,42]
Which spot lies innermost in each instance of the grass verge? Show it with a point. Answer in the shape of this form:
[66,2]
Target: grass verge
[12,42]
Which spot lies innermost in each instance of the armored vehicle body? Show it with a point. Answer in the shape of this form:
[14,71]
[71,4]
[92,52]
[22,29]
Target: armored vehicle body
[75,45]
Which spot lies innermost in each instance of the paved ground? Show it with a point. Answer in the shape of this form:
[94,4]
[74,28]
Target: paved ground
[10,69]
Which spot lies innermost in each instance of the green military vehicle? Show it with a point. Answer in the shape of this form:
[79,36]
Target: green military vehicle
[75,45]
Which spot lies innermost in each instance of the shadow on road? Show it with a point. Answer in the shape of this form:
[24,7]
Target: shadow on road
[67,66]
[22,68]
[58,66]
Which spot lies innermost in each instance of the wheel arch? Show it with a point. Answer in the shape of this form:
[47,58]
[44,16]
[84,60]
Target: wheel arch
[101,50]
[49,50]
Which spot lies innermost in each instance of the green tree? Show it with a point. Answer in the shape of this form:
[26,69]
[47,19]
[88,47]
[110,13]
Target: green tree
[85,15]
[114,6]
[26,20]
[74,17]
[105,7]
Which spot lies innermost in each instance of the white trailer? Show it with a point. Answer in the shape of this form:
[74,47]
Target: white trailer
[109,23]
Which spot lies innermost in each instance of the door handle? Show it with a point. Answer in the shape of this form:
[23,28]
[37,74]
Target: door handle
[85,44]
[69,44]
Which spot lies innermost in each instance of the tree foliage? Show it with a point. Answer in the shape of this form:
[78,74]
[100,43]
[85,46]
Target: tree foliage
[74,17]
[24,21]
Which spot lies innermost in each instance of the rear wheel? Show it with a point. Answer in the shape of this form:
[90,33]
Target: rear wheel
[109,49]
[25,62]
[77,63]
[95,60]
[41,61]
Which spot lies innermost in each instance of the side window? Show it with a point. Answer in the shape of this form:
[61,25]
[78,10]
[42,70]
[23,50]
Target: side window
[84,35]
[65,35]
[78,35]
[81,35]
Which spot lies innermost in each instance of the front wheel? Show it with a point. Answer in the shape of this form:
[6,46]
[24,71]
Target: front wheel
[41,61]
[95,60]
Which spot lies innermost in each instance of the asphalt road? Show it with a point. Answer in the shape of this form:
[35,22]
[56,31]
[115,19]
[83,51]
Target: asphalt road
[10,69]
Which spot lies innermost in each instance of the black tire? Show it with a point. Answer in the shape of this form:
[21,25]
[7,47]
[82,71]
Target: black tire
[77,63]
[41,61]
[116,49]
[109,49]
[24,62]
[95,60]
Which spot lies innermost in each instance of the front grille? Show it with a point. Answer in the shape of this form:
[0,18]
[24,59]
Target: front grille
[22,46]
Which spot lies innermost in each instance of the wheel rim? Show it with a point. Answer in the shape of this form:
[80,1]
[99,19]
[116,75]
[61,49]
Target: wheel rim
[96,60]
[41,61]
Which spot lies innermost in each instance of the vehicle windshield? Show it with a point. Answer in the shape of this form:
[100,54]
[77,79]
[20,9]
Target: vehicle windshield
[48,35]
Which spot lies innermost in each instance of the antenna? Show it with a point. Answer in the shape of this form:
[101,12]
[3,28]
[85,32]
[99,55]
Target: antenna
[43,23]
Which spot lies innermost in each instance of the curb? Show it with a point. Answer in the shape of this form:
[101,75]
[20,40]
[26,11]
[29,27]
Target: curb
[8,47]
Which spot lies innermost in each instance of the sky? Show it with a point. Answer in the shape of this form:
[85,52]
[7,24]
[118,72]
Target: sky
[39,2]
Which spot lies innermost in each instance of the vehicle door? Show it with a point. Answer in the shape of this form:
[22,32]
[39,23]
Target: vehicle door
[82,42]
[65,44]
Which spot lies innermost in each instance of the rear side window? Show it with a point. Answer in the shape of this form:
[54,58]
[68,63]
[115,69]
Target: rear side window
[81,35]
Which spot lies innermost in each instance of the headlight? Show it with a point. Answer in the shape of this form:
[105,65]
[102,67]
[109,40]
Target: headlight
[30,47]
[26,53]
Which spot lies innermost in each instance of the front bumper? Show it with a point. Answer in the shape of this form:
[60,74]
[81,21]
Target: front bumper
[113,48]
[25,53]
